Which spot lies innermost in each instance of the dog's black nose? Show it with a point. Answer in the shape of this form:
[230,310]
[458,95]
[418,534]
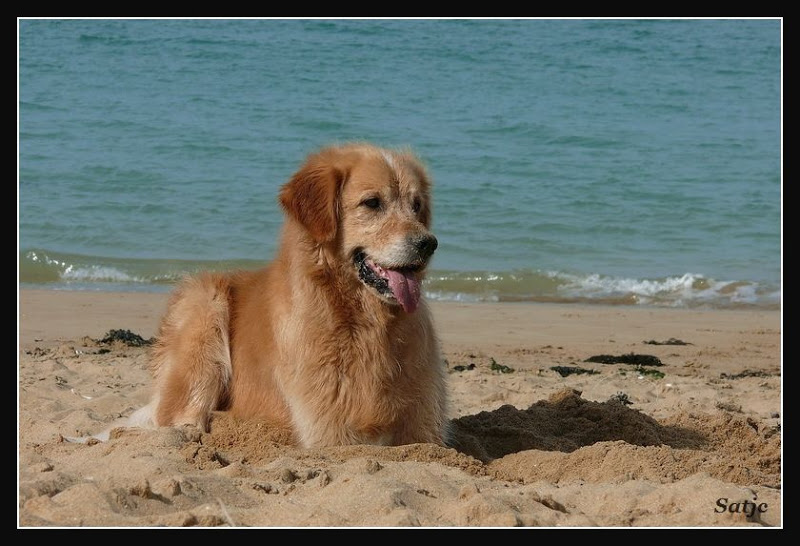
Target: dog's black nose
[425,245]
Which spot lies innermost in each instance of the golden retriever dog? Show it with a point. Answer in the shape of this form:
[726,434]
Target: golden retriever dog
[332,339]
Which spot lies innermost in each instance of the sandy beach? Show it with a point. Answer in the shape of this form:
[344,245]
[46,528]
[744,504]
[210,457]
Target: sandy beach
[541,436]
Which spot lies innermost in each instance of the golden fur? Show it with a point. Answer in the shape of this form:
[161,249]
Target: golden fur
[306,342]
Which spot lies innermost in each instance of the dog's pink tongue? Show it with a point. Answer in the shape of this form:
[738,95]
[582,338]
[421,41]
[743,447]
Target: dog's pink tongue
[405,288]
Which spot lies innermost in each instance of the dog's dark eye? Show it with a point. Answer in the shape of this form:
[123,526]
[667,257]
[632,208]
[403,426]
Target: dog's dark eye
[416,206]
[372,203]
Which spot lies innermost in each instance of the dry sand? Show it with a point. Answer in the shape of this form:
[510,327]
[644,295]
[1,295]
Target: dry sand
[530,448]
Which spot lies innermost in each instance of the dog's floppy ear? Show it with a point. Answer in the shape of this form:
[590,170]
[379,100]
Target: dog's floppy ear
[311,197]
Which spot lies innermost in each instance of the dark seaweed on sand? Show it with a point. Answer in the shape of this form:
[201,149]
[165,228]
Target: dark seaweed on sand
[670,341]
[621,398]
[655,374]
[502,368]
[631,358]
[565,371]
[126,337]
[745,373]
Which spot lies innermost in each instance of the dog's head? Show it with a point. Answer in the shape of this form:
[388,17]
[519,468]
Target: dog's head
[371,208]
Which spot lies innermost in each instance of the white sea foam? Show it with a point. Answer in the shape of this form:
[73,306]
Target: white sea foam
[463,297]
[686,290]
[690,289]
[595,285]
[97,273]
[80,269]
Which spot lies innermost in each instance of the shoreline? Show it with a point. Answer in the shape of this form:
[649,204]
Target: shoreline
[67,272]
[142,311]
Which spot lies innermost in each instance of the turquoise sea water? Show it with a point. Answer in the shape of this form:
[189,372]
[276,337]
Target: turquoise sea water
[609,161]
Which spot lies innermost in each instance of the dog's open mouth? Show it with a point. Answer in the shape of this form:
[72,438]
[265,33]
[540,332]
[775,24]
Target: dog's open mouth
[399,284]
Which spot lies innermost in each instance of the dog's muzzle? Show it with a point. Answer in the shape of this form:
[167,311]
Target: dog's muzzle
[400,283]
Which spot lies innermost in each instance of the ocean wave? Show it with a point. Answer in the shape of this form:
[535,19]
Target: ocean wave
[47,268]
[689,289]
[97,273]
[73,271]
[686,290]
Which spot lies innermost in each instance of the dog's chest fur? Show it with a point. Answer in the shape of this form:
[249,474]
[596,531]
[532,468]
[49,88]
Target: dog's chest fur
[355,364]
